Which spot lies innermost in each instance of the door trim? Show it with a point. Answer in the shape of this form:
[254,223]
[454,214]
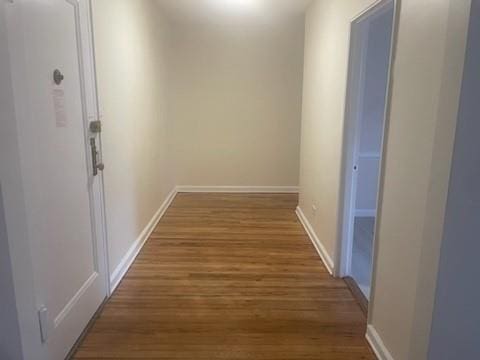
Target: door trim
[349,150]
[91,113]
[90,38]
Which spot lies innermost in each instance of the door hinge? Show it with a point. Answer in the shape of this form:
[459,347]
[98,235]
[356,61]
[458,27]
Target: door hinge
[43,320]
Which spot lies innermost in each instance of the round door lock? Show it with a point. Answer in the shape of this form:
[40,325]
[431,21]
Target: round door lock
[58,77]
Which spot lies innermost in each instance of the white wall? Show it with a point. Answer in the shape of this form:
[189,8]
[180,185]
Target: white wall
[17,302]
[131,52]
[236,103]
[456,319]
[426,86]
[10,346]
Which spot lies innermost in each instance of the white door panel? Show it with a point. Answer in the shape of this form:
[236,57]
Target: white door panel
[63,198]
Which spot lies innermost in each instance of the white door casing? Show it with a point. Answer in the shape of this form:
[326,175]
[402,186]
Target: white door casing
[351,137]
[63,200]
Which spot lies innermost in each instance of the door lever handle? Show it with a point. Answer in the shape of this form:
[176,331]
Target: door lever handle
[95,164]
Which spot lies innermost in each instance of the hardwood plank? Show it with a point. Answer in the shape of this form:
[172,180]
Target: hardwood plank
[229,276]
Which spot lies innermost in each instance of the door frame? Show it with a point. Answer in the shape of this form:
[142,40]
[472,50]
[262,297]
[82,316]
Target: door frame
[93,114]
[350,141]
[20,252]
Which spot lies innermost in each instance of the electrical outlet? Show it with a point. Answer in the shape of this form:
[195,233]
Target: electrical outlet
[314,209]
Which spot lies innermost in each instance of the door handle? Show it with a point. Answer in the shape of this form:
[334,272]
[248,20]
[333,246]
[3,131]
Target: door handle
[95,164]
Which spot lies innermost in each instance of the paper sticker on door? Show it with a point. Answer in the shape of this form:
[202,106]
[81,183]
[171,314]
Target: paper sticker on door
[59,107]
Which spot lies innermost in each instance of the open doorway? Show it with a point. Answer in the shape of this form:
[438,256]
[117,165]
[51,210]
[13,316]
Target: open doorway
[370,58]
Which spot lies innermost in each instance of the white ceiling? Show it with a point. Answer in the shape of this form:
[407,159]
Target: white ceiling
[229,10]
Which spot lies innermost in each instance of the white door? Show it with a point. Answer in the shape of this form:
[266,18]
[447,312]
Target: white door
[63,197]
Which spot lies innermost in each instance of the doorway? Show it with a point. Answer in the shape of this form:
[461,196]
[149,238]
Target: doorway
[369,67]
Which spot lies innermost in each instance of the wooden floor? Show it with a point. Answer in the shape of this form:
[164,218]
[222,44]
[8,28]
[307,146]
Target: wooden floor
[229,276]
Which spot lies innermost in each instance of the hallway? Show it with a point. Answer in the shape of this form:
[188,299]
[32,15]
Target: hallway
[229,276]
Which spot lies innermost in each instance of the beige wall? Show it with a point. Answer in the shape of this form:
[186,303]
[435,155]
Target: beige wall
[425,93]
[426,86]
[236,103]
[325,76]
[131,50]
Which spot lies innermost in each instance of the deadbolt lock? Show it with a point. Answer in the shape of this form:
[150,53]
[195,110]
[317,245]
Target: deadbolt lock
[96,127]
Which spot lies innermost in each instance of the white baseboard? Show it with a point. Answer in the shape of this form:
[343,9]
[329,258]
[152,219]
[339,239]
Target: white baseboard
[237,189]
[132,253]
[377,344]
[365,212]
[327,260]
